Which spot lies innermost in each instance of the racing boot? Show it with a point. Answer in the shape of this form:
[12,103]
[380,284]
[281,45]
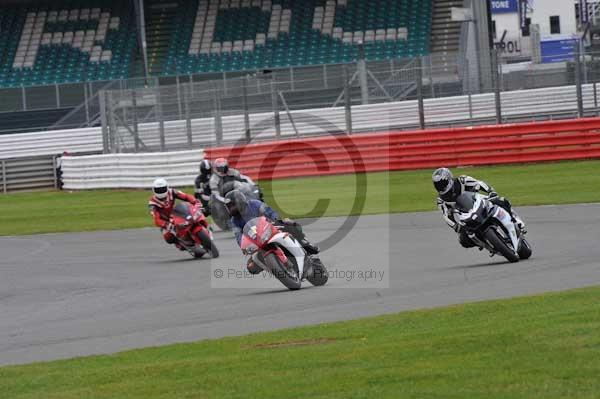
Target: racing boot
[308,247]
[520,223]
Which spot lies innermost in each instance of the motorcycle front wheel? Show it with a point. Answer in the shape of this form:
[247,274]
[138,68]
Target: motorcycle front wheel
[524,249]
[319,274]
[281,272]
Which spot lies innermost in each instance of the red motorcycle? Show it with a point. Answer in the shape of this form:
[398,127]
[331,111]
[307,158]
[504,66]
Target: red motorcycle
[192,230]
[281,254]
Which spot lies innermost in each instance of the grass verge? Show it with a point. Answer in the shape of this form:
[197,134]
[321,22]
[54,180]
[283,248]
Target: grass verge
[544,346]
[556,183]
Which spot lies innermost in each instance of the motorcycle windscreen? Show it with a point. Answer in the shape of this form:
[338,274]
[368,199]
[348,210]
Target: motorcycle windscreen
[259,230]
[465,202]
[181,210]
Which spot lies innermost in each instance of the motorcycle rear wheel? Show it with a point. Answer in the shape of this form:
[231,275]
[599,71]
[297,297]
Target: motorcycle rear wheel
[499,245]
[281,273]
[208,244]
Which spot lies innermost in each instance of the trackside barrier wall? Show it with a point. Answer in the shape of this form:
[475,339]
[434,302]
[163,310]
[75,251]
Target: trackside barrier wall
[130,170]
[376,117]
[340,154]
[484,145]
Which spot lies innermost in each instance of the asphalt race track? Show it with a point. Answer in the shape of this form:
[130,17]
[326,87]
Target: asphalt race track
[67,295]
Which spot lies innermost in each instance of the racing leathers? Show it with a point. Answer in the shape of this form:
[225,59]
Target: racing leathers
[161,210]
[447,202]
[202,191]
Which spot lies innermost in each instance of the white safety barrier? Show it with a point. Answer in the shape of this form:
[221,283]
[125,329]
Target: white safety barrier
[376,117]
[50,142]
[129,170]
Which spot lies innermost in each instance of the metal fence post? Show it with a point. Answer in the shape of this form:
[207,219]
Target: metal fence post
[178,96]
[57,92]
[292,85]
[430,69]
[104,122]
[361,66]
[87,105]
[595,99]
[218,118]
[188,120]
[496,83]
[136,135]
[245,106]
[420,92]
[469,94]
[276,116]
[4,188]
[161,119]
[23,98]
[578,81]
[347,105]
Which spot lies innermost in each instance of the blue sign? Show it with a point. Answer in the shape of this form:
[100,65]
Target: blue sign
[504,6]
[558,50]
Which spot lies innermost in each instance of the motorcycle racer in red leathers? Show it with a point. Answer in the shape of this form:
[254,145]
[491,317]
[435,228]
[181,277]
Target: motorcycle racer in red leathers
[161,206]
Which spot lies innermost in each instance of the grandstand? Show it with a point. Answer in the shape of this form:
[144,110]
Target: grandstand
[65,41]
[254,34]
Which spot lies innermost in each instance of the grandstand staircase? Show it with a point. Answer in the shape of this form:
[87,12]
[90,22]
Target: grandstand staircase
[159,22]
[445,33]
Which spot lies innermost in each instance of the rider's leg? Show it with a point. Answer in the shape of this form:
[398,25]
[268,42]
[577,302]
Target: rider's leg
[171,239]
[504,203]
[295,230]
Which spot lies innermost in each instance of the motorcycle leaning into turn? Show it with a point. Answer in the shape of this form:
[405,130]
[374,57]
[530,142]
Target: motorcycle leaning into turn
[491,227]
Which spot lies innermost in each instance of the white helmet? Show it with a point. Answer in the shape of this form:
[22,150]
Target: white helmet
[160,188]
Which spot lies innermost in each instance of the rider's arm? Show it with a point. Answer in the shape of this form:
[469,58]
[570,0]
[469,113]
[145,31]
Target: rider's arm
[198,187]
[448,215]
[180,195]
[158,220]
[237,230]
[266,211]
[213,183]
[475,185]
[245,179]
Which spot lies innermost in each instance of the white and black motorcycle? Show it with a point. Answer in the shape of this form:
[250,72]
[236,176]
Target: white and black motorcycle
[281,254]
[491,227]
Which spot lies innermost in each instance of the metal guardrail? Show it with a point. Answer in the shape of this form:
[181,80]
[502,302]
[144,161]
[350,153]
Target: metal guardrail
[26,174]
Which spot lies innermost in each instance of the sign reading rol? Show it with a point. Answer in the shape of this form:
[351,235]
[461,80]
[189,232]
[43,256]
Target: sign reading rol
[504,6]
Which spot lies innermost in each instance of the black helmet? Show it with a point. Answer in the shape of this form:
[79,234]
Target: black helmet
[205,167]
[443,181]
[235,201]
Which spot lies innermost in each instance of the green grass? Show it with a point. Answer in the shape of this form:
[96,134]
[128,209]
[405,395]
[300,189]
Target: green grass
[556,183]
[546,346]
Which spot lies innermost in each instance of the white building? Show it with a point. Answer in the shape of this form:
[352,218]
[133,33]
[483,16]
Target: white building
[557,21]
